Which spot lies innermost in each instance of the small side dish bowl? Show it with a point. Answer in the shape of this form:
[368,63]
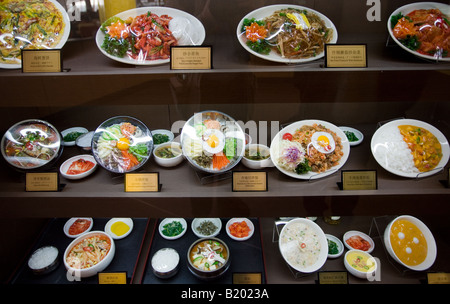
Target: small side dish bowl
[161,136]
[206,227]
[119,227]
[44,260]
[76,226]
[355,137]
[240,229]
[85,167]
[172,228]
[85,141]
[168,154]
[257,156]
[335,246]
[89,271]
[165,263]
[70,135]
[358,240]
[360,264]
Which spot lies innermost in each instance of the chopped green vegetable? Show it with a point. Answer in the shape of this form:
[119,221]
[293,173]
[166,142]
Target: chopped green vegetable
[260,46]
[172,229]
[351,136]
[114,46]
[332,247]
[303,167]
[72,136]
[140,150]
[160,138]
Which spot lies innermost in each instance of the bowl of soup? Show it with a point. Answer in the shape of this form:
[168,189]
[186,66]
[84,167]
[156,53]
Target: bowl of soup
[208,258]
[360,264]
[89,254]
[257,156]
[410,243]
[168,154]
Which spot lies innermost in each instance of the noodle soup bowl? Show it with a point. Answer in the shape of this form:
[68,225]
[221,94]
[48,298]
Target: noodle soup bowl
[80,272]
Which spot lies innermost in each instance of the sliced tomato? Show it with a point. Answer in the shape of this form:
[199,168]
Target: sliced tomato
[287,136]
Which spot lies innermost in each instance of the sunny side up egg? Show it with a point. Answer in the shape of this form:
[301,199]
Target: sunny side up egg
[213,141]
[323,142]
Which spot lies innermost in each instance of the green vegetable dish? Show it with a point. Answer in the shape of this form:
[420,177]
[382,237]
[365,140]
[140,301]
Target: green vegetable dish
[173,228]
[160,138]
[332,247]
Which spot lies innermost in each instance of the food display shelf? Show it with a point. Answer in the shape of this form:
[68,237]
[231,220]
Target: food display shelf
[125,259]
[247,257]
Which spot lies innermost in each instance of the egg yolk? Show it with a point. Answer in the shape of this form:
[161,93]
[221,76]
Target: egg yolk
[213,141]
[323,140]
[123,144]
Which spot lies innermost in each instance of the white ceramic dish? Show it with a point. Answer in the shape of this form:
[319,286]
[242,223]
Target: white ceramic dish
[196,222]
[431,243]
[406,9]
[66,165]
[70,130]
[291,129]
[85,141]
[61,43]
[367,238]
[168,221]
[168,162]
[357,133]
[169,134]
[380,145]
[71,221]
[339,245]
[266,11]
[93,270]
[257,164]
[193,31]
[358,273]
[238,219]
[120,220]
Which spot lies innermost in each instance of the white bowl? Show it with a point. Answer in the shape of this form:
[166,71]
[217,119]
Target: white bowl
[120,220]
[198,221]
[168,221]
[93,270]
[66,165]
[431,243]
[357,133]
[85,141]
[70,130]
[163,132]
[238,219]
[356,272]
[168,162]
[257,164]
[165,263]
[339,245]
[72,220]
[367,238]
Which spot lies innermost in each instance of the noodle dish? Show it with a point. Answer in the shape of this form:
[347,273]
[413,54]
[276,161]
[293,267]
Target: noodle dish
[309,149]
[122,144]
[28,25]
[144,36]
[422,29]
[212,141]
[286,33]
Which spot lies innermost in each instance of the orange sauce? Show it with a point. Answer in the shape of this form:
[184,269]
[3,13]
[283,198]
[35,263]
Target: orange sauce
[408,242]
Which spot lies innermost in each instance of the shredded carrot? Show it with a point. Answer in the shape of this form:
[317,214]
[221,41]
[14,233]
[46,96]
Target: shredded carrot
[254,32]
[129,160]
[220,161]
[118,30]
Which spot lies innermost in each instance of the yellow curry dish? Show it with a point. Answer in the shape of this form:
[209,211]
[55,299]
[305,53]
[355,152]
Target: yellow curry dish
[408,242]
[29,24]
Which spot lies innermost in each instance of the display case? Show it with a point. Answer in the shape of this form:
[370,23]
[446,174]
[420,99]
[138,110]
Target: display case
[263,96]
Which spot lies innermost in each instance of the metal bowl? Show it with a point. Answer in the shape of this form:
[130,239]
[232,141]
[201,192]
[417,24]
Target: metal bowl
[208,135]
[44,260]
[110,143]
[165,263]
[31,144]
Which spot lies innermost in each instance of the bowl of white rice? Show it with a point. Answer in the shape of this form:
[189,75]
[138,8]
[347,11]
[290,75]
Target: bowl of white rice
[44,260]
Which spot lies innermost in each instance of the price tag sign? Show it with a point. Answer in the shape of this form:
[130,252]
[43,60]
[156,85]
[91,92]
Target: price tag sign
[41,61]
[333,277]
[247,278]
[142,182]
[244,181]
[191,58]
[359,180]
[438,278]
[44,181]
[112,278]
[345,56]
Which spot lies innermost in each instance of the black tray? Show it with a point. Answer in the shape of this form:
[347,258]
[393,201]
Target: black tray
[125,258]
[246,257]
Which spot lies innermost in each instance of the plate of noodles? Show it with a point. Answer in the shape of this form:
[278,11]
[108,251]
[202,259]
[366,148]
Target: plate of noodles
[309,149]
[125,37]
[41,25]
[286,33]
[422,29]
[410,148]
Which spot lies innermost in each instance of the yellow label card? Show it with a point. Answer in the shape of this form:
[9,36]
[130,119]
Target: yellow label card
[345,56]
[43,181]
[38,61]
[438,278]
[112,278]
[190,58]
[250,181]
[141,182]
[359,180]
[333,277]
[247,278]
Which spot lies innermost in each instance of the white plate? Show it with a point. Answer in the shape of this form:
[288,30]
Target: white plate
[126,220]
[65,166]
[357,133]
[339,244]
[197,221]
[406,9]
[61,43]
[351,233]
[194,31]
[70,130]
[266,11]
[311,175]
[170,220]
[378,142]
[71,221]
[237,219]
